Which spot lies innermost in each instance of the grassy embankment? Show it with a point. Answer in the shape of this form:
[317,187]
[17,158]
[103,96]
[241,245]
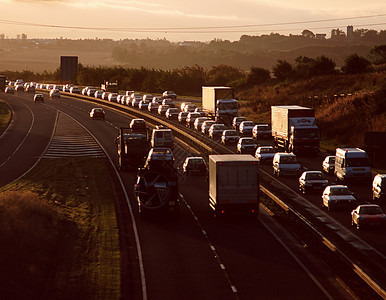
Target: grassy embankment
[5,116]
[58,233]
[346,106]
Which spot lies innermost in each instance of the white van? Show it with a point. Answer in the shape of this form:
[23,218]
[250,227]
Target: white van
[352,163]
[379,187]
[162,138]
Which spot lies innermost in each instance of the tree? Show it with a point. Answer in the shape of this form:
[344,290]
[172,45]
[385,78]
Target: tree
[283,70]
[308,34]
[258,76]
[377,55]
[322,65]
[355,64]
[223,75]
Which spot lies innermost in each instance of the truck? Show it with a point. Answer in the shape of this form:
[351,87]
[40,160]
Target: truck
[294,129]
[156,189]
[219,103]
[132,148]
[233,184]
[351,164]
[110,86]
[2,83]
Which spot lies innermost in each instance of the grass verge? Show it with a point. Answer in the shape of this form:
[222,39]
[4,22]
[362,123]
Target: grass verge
[59,234]
[5,115]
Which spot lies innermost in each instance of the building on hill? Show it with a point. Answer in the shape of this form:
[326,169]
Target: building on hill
[350,32]
[320,36]
[337,34]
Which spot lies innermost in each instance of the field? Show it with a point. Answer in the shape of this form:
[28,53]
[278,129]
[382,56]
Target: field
[5,116]
[58,233]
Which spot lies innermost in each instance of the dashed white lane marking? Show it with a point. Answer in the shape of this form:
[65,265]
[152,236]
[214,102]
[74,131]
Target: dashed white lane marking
[72,140]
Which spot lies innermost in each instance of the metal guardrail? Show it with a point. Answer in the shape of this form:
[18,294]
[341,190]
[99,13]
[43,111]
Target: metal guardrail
[205,146]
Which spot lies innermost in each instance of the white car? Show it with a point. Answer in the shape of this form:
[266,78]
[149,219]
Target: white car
[172,113]
[54,93]
[265,154]
[246,128]
[216,130]
[112,97]
[162,109]
[229,136]
[182,117]
[338,196]
[246,145]
[183,104]
[261,131]
[328,164]
[143,104]
[285,164]
[206,126]
[98,94]
[74,90]
[198,122]
[169,94]
[379,187]
[311,181]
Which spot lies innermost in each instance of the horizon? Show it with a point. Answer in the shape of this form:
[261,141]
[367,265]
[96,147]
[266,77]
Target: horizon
[176,22]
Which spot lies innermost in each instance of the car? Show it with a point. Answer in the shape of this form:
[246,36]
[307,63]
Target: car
[236,122]
[9,90]
[183,104]
[135,99]
[162,109]
[38,98]
[128,93]
[148,97]
[143,104]
[19,87]
[74,90]
[265,154]
[192,116]
[189,108]
[30,88]
[157,99]
[91,92]
[368,215]
[162,137]
[216,130]
[246,145]
[98,94]
[66,89]
[112,97]
[168,101]
[261,131]
[182,117]
[54,93]
[172,113]
[338,196]
[328,164]
[229,136]
[194,165]
[206,125]
[121,99]
[138,125]
[105,95]
[246,128]
[312,180]
[285,164]
[159,158]
[97,113]
[379,187]
[152,107]
[58,87]
[169,94]
[198,122]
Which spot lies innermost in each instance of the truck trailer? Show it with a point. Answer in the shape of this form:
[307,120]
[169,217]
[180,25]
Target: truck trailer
[219,103]
[234,184]
[294,129]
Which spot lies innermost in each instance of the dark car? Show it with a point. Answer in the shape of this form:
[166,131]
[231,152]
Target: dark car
[194,165]
[138,125]
[38,98]
[97,113]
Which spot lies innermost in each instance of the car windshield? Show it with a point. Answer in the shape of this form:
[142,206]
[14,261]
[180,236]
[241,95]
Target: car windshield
[267,150]
[263,128]
[357,162]
[370,210]
[249,142]
[196,161]
[248,123]
[315,176]
[230,133]
[231,105]
[288,160]
[219,127]
[340,191]
[331,160]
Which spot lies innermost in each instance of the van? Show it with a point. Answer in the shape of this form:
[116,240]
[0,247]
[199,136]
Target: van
[286,164]
[352,163]
[379,187]
[162,138]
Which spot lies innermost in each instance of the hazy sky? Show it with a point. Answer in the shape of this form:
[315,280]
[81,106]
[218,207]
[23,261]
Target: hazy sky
[179,20]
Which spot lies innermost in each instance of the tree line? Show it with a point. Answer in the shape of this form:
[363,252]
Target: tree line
[189,80]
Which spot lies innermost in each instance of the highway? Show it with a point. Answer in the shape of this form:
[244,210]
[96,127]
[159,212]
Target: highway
[196,256]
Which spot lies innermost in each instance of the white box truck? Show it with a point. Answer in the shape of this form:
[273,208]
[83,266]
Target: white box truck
[234,184]
[294,129]
[352,163]
[219,103]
